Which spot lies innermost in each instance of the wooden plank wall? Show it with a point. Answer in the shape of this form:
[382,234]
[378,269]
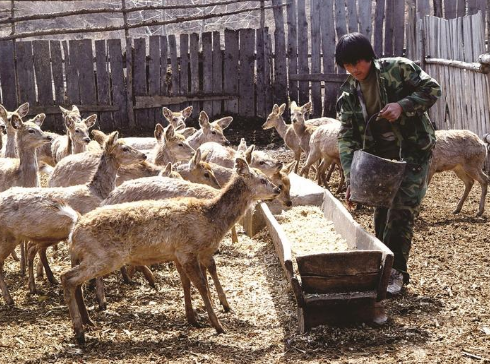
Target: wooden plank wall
[458,39]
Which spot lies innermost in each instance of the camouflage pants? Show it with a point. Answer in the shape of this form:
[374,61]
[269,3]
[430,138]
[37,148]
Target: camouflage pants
[394,226]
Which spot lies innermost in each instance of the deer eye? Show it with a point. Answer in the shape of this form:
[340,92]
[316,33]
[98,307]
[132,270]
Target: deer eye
[31,131]
[261,162]
[206,175]
[181,145]
[280,187]
[263,181]
[77,131]
[213,132]
[125,149]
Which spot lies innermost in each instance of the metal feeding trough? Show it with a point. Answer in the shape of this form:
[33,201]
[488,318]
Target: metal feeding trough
[337,287]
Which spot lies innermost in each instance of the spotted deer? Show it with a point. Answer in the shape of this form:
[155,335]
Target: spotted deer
[186,231]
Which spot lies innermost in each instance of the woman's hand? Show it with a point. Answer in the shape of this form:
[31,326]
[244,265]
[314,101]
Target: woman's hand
[391,112]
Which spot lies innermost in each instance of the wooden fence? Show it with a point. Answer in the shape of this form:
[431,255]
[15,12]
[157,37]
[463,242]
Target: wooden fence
[232,72]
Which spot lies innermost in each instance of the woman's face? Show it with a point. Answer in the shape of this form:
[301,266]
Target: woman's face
[360,70]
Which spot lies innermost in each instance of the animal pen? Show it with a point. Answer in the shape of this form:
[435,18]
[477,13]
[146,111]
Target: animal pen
[126,78]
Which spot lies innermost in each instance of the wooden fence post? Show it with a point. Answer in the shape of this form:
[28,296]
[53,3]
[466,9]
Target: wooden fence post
[129,69]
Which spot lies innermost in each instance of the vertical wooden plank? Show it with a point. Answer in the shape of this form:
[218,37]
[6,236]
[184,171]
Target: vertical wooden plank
[184,67]
[164,76]
[117,81]
[86,76]
[154,78]
[217,72]
[423,7]
[57,66]
[260,90]
[280,67]
[365,21]
[194,68]
[72,95]
[139,81]
[231,69]
[7,74]
[25,73]
[292,50]
[246,104]
[103,84]
[175,69]
[399,30]
[352,16]
[42,68]
[207,70]
[389,28]
[303,67]
[340,22]
[328,50]
[269,99]
[438,8]
[472,7]
[316,87]
[378,27]
[450,7]
[461,7]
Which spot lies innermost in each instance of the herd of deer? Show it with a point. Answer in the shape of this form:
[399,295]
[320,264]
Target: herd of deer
[141,201]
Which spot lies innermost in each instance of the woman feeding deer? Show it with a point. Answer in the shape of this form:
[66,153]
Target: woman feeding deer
[383,110]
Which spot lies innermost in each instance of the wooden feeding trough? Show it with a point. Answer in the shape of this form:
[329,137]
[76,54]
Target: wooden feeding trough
[335,287]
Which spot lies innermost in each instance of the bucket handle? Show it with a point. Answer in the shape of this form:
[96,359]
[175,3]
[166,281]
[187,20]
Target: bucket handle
[376,115]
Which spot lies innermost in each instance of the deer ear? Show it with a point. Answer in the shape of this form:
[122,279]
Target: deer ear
[289,167]
[23,110]
[168,169]
[111,139]
[242,147]
[275,108]
[187,132]
[39,119]
[16,121]
[158,132]
[241,167]
[167,113]
[187,112]
[99,136]
[3,114]
[169,133]
[74,108]
[195,159]
[90,121]
[204,120]
[248,153]
[293,104]
[307,107]
[281,109]
[64,111]
[69,122]
[224,122]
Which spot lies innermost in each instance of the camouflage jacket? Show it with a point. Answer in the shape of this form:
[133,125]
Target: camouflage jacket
[402,81]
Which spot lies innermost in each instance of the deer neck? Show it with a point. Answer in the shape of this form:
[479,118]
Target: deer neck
[11,146]
[230,205]
[163,156]
[196,139]
[281,127]
[104,179]
[78,147]
[299,128]
[28,167]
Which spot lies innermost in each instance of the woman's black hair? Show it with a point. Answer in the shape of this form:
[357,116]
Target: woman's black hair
[353,47]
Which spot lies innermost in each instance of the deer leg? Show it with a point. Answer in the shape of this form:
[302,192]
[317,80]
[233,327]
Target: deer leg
[342,180]
[194,272]
[31,253]
[313,156]
[148,274]
[330,171]
[210,265]
[468,184]
[71,281]
[7,245]
[234,236]
[186,285]
[478,175]
[100,293]
[45,264]
[3,286]
[39,270]
[125,275]
[23,258]
[297,157]
[14,256]
[82,308]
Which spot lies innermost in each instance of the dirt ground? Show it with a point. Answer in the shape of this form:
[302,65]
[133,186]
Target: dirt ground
[442,317]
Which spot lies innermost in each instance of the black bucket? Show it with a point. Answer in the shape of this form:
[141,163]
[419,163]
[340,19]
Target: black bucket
[374,181]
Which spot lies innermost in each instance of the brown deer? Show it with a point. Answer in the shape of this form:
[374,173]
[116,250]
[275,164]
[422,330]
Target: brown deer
[187,231]
[210,132]
[85,198]
[463,152]
[76,138]
[42,220]
[11,143]
[176,119]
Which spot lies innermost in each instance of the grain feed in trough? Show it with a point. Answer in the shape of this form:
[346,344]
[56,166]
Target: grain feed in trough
[331,286]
